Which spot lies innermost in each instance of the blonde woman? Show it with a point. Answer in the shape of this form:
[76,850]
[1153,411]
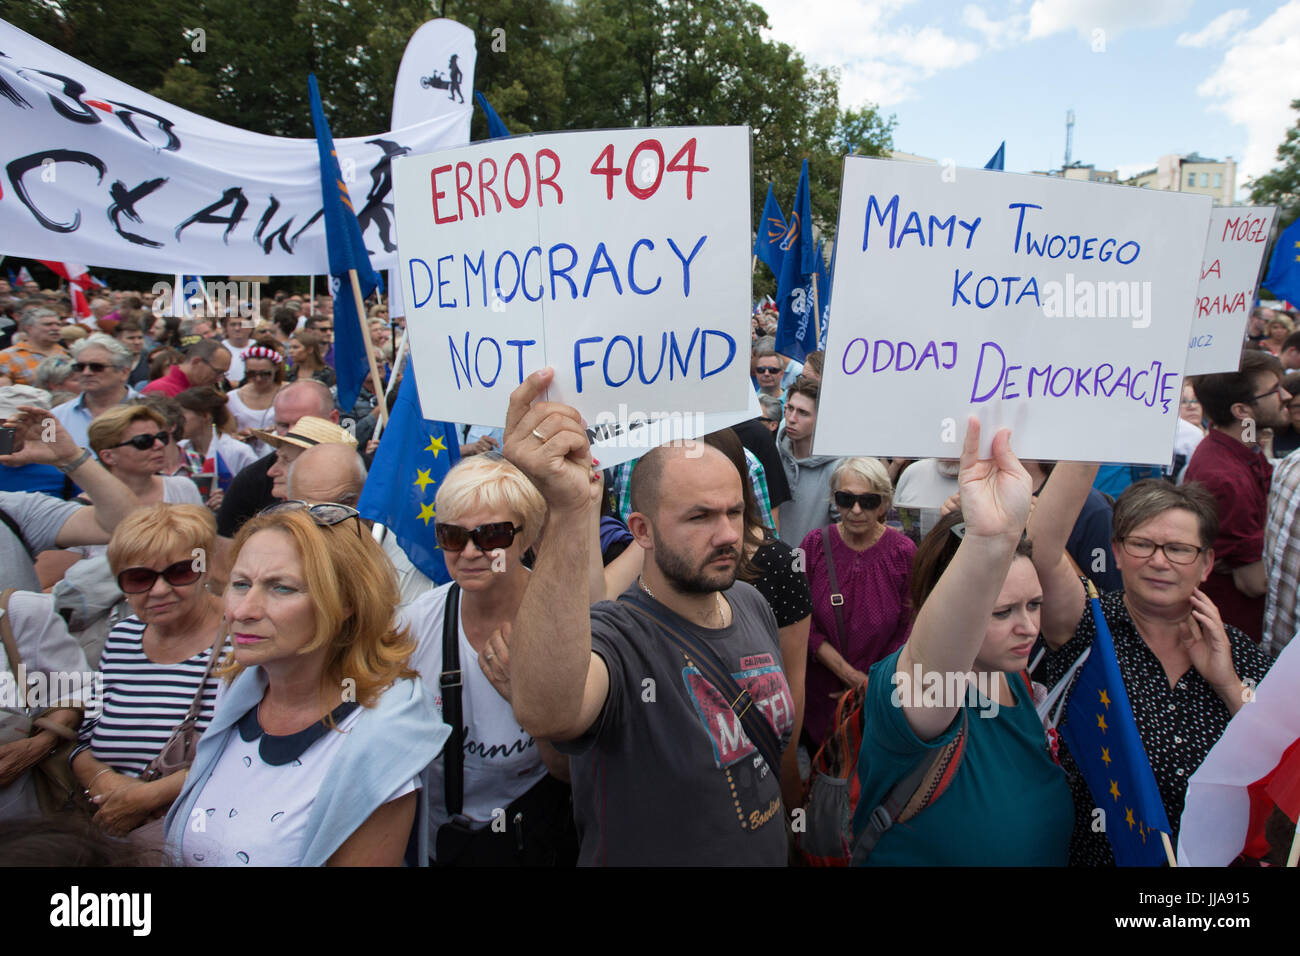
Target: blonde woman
[315,754]
[132,443]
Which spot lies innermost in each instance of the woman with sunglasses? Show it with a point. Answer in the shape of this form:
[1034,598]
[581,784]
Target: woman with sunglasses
[316,752]
[860,611]
[155,664]
[131,442]
[253,403]
[489,514]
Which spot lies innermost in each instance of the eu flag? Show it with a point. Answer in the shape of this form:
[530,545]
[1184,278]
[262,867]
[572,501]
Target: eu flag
[1104,742]
[999,159]
[796,331]
[771,230]
[414,456]
[1283,278]
[347,251]
[496,128]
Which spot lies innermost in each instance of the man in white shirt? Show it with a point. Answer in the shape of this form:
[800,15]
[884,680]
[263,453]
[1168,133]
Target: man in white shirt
[102,365]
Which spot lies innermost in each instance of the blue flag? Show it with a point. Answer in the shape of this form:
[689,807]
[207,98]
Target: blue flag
[796,330]
[1283,278]
[496,128]
[823,294]
[347,251]
[1104,742]
[771,230]
[414,456]
[998,160]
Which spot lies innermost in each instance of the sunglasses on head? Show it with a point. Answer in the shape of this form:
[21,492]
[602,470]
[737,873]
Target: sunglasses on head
[486,537]
[844,501]
[767,369]
[95,367]
[326,514]
[140,580]
[144,442]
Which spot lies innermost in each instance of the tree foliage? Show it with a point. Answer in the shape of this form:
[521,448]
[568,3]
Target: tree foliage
[1281,186]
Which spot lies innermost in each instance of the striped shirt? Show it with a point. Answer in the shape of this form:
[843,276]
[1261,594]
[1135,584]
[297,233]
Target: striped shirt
[1282,555]
[143,702]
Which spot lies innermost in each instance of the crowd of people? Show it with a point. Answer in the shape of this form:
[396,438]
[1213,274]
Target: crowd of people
[632,666]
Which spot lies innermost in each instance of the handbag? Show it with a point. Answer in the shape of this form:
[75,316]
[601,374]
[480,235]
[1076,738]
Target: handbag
[56,786]
[178,753]
[540,829]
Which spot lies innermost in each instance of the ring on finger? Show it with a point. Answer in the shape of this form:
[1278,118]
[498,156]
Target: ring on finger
[490,657]
[538,435]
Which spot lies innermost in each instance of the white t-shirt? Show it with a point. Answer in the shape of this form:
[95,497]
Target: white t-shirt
[256,804]
[46,648]
[235,376]
[502,762]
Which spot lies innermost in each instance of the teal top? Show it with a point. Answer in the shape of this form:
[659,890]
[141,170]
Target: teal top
[1007,805]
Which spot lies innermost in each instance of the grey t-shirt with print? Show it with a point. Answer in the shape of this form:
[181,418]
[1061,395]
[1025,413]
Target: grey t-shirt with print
[666,775]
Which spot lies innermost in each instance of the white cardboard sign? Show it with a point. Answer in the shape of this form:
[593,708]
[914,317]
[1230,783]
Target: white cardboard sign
[1234,255]
[1053,307]
[619,257]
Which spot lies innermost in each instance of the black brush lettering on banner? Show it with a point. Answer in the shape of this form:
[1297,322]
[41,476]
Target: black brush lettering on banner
[281,232]
[20,167]
[205,215]
[124,201]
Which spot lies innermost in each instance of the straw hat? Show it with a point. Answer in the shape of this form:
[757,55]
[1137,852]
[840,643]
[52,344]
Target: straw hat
[307,432]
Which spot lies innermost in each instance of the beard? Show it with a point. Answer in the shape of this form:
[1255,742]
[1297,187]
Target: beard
[681,572]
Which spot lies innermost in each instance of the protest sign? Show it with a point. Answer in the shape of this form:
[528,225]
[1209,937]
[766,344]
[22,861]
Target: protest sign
[624,435]
[1053,307]
[618,257]
[1230,269]
[96,171]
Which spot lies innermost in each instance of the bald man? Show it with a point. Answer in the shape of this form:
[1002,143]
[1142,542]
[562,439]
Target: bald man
[328,473]
[672,765]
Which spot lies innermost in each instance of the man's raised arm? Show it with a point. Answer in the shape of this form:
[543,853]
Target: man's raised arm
[559,686]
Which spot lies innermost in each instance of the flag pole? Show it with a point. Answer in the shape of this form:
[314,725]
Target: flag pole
[1169,849]
[1294,856]
[399,360]
[376,385]
[311,295]
[817,314]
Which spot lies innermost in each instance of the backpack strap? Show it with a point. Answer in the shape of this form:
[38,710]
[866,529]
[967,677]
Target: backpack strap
[837,598]
[919,789]
[757,728]
[450,683]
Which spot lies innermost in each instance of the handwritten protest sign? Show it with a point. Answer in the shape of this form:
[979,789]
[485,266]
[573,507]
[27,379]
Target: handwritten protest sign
[622,436]
[1053,307]
[1234,255]
[619,257]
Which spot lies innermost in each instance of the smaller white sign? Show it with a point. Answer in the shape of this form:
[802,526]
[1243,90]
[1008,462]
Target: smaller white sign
[624,435]
[1234,255]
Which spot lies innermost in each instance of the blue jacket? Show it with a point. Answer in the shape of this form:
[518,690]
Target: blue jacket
[391,743]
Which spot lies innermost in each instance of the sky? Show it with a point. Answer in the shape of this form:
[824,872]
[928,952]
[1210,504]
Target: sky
[1143,77]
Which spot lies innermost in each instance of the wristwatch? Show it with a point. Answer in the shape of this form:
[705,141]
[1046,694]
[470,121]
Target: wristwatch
[76,463]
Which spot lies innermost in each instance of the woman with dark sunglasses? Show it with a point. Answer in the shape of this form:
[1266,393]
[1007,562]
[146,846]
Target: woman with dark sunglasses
[155,663]
[860,606]
[253,403]
[488,514]
[131,442]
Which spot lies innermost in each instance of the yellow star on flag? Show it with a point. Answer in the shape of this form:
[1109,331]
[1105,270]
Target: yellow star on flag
[435,445]
[1114,790]
[1104,699]
[423,480]
[1143,831]
[1105,756]
[1101,722]
[1128,817]
[426,512]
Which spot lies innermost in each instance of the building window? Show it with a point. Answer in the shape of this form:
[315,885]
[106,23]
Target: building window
[1218,180]
[1205,180]
[1191,180]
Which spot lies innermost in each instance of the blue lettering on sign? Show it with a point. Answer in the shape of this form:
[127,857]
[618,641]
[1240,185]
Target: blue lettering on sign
[488,360]
[901,356]
[1071,247]
[994,378]
[428,278]
[912,225]
[442,282]
[621,349]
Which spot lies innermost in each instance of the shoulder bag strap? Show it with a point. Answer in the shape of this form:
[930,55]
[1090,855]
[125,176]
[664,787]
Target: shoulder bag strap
[837,598]
[196,704]
[927,780]
[757,728]
[450,683]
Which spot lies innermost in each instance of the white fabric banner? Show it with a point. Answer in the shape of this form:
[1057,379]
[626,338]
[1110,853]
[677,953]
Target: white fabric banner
[96,171]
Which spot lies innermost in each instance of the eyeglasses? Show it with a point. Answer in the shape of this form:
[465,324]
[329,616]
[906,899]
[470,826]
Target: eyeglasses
[262,374]
[144,442]
[326,514]
[486,537]
[1176,553]
[140,580]
[95,367]
[844,501]
[1275,390]
[767,369]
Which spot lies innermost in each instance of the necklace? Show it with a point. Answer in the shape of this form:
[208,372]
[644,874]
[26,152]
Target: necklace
[722,607]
